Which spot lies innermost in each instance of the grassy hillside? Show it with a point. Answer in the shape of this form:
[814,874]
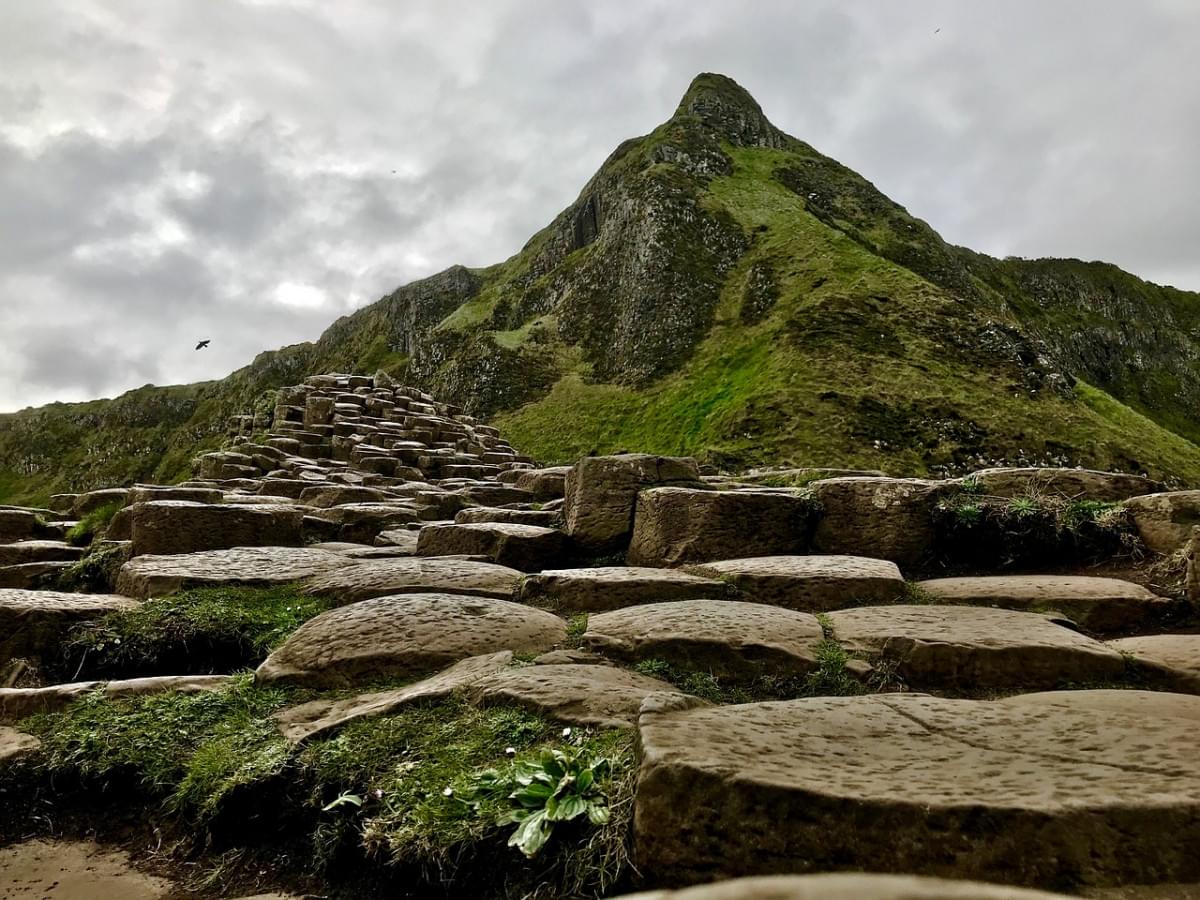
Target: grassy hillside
[722,289]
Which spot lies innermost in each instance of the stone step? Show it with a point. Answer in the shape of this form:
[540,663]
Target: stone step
[408,635]
[17,703]
[809,583]
[175,526]
[1102,605]
[674,526]
[544,518]
[528,548]
[157,576]
[415,575]
[614,587]
[975,650]
[1102,786]
[727,638]
[33,623]
[848,886]
[29,575]
[1170,658]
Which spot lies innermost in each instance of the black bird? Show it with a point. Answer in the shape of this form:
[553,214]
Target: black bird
[204,343]
[936,30]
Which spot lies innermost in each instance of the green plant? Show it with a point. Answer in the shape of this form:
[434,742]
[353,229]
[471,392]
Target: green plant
[552,787]
[971,486]
[576,626]
[198,630]
[1023,506]
[96,522]
[968,513]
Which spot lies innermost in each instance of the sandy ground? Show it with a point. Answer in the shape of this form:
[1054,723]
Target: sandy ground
[73,870]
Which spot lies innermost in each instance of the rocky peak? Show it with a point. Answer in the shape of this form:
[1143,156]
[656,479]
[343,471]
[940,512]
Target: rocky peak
[726,108]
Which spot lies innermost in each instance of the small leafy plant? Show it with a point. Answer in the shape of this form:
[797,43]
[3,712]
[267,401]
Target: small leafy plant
[547,789]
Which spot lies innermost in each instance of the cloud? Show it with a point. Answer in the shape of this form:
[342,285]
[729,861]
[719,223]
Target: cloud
[249,171]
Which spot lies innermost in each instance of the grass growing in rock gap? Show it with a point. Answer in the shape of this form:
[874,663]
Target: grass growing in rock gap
[94,573]
[402,791]
[196,631]
[94,523]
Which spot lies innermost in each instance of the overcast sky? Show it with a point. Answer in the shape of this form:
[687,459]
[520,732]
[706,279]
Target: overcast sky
[248,171]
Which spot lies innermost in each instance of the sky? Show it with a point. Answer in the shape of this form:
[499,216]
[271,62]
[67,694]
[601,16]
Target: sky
[247,171]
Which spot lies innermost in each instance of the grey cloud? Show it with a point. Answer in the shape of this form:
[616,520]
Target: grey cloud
[165,168]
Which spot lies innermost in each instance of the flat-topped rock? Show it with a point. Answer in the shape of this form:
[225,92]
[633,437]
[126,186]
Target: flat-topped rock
[326,496]
[156,576]
[361,522]
[847,886]
[614,587]
[93,500]
[1165,521]
[30,575]
[15,744]
[321,718]
[881,518]
[402,540]
[1126,702]
[144,493]
[975,649]
[177,526]
[416,575]
[600,493]
[544,518]
[33,622]
[1072,484]
[408,635]
[809,583]
[17,703]
[726,637]
[599,696]
[37,551]
[19,525]
[528,548]
[673,525]
[544,484]
[1024,793]
[1171,658]
[1096,604]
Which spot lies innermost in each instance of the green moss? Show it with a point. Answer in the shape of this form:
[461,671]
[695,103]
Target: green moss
[95,573]
[194,631]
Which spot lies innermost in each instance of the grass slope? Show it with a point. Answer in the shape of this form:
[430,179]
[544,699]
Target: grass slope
[855,350]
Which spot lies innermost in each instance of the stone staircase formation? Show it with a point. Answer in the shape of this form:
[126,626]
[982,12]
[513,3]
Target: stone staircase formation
[1036,729]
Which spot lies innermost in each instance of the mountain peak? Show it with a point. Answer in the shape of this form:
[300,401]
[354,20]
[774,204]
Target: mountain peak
[725,107]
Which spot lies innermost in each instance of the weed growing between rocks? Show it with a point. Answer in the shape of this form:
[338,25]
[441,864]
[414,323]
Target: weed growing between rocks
[94,573]
[982,532]
[83,532]
[388,800]
[198,631]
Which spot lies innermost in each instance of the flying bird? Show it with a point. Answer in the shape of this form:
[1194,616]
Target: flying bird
[204,343]
[936,30]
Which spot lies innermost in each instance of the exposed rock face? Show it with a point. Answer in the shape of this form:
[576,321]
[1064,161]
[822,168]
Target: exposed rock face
[1173,659]
[810,583]
[884,518]
[156,576]
[17,703]
[382,577]
[1165,521]
[33,622]
[601,494]
[725,637]
[997,791]
[600,696]
[968,648]
[408,635]
[176,526]
[673,526]
[1096,604]
[614,587]
[847,886]
[524,547]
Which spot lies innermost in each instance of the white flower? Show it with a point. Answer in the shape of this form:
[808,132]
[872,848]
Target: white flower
[566,732]
[448,792]
[378,793]
[510,751]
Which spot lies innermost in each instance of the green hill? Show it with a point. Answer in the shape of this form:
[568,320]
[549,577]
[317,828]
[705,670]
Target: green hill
[722,289]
